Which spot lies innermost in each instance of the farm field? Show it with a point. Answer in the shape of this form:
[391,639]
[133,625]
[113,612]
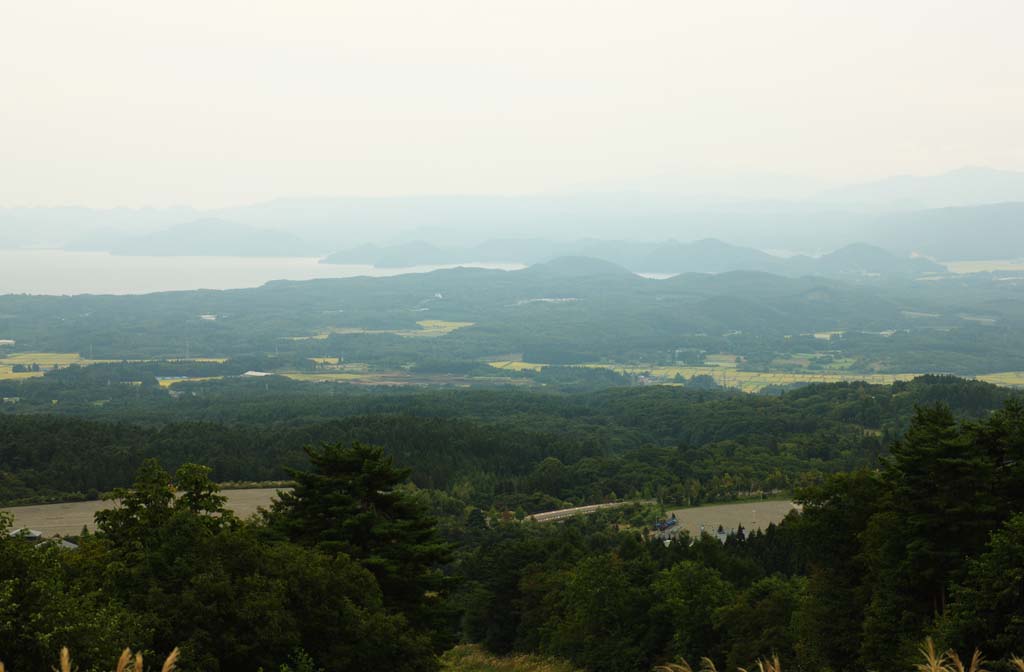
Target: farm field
[46,360]
[1007,378]
[396,378]
[427,329]
[169,382]
[755,381]
[349,377]
[49,360]
[751,515]
[7,374]
[721,367]
[69,518]
[728,376]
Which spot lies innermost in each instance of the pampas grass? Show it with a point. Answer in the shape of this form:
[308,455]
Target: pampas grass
[767,664]
[124,662]
[682,666]
[171,661]
[977,662]
[707,665]
[65,660]
[933,661]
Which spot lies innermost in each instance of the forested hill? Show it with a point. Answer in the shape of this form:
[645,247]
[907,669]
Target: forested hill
[496,448]
[568,311]
[357,569]
[701,256]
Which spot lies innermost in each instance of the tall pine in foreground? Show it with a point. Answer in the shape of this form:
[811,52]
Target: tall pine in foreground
[948,485]
[355,501]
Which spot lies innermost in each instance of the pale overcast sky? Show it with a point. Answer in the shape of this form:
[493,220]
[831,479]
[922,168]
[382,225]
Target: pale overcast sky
[210,102]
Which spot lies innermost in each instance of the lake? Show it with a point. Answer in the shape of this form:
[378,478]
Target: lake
[63,272]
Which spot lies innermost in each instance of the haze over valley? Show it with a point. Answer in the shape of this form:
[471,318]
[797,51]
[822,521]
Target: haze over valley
[544,336]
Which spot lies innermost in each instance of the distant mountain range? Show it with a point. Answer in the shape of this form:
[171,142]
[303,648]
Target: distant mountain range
[963,187]
[966,214]
[671,257]
[978,232]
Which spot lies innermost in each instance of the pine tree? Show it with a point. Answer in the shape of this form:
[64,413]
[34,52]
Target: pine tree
[354,502]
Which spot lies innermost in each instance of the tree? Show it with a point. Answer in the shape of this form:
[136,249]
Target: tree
[760,621]
[987,609]
[42,609]
[688,594]
[229,595]
[835,514]
[602,622]
[353,502]
[946,489]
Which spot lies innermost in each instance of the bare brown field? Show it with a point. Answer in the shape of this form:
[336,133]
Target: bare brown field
[752,515]
[69,518]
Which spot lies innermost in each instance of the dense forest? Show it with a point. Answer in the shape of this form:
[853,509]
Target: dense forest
[498,448]
[365,565]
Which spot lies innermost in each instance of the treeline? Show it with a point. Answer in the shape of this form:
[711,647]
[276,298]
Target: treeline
[931,544]
[355,569]
[502,449]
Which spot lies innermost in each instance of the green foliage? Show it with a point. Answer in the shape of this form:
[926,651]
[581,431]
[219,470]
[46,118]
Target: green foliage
[601,621]
[761,621]
[500,448]
[352,504]
[689,593]
[357,568]
[200,580]
[987,608]
[605,314]
[42,609]
[831,616]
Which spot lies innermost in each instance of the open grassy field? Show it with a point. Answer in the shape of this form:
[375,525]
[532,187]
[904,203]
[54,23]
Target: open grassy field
[69,518]
[473,658]
[49,360]
[46,360]
[728,375]
[436,328]
[169,382]
[7,374]
[395,378]
[1007,378]
[344,377]
[512,365]
[427,329]
[751,515]
[754,381]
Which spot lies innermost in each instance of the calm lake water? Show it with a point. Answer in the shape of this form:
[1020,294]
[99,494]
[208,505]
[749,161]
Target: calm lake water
[61,272]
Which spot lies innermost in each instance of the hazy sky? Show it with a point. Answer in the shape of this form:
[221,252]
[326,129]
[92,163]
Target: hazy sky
[210,102]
